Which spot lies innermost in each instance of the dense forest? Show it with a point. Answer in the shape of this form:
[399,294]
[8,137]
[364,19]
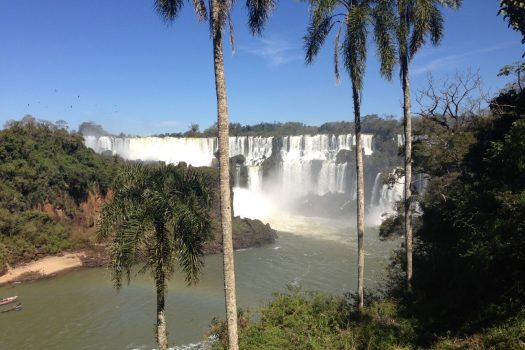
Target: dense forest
[50,185]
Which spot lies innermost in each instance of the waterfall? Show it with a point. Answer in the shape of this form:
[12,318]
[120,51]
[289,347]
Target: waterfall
[308,163]
[237,176]
[254,148]
[255,178]
[384,198]
[374,198]
[194,151]
[332,178]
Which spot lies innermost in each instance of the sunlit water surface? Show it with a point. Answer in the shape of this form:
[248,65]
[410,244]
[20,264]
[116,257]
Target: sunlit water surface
[81,310]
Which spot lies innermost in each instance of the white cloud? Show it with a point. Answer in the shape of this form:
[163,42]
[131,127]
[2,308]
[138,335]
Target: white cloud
[275,51]
[456,59]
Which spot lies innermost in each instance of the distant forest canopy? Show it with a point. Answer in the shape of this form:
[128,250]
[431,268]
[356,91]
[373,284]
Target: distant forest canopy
[371,124]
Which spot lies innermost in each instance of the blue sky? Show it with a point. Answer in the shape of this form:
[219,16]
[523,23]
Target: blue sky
[116,63]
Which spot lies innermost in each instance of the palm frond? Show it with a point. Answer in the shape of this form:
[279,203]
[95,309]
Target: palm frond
[436,26]
[192,227]
[258,13]
[315,36]
[420,19]
[168,9]
[200,10]
[322,9]
[159,213]
[354,46]
[384,31]
[454,4]
[124,251]
[336,57]
[232,33]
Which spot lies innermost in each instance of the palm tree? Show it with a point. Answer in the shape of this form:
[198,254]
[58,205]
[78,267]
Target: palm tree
[414,22]
[158,215]
[220,13]
[353,18]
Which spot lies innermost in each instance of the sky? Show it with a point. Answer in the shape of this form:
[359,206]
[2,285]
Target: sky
[116,63]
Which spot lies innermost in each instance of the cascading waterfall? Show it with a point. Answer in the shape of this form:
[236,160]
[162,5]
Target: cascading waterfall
[255,178]
[332,178]
[384,197]
[255,149]
[308,163]
[194,151]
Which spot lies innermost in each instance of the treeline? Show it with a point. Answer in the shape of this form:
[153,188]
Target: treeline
[372,124]
[382,127]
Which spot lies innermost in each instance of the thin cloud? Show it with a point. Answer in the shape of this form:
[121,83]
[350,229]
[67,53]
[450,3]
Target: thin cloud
[455,60]
[275,51]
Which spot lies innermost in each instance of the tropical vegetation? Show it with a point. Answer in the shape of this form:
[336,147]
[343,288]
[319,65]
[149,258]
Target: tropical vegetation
[158,215]
[50,184]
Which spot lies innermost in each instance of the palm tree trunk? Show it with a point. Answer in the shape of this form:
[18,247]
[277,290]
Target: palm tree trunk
[224,183]
[162,336]
[407,118]
[360,199]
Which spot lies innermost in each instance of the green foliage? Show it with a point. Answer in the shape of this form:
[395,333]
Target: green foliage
[193,130]
[514,12]
[470,243]
[309,320]
[159,214]
[509,335]
[384,129]
[30,234]
[352,19]
[41,163]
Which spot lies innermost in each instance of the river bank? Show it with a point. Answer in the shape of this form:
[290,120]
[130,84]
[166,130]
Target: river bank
[42,268]
[247,234]
[80,309]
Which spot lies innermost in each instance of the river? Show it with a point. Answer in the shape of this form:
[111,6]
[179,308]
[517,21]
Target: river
[81,310]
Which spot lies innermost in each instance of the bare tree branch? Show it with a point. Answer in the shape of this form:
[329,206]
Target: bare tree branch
[455,102]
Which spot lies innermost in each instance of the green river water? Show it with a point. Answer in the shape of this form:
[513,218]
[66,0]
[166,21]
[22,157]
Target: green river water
[81,310]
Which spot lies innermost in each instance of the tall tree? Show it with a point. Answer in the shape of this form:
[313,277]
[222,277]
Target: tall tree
[220,15]
[158,215]
[353,18]
[416,21]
